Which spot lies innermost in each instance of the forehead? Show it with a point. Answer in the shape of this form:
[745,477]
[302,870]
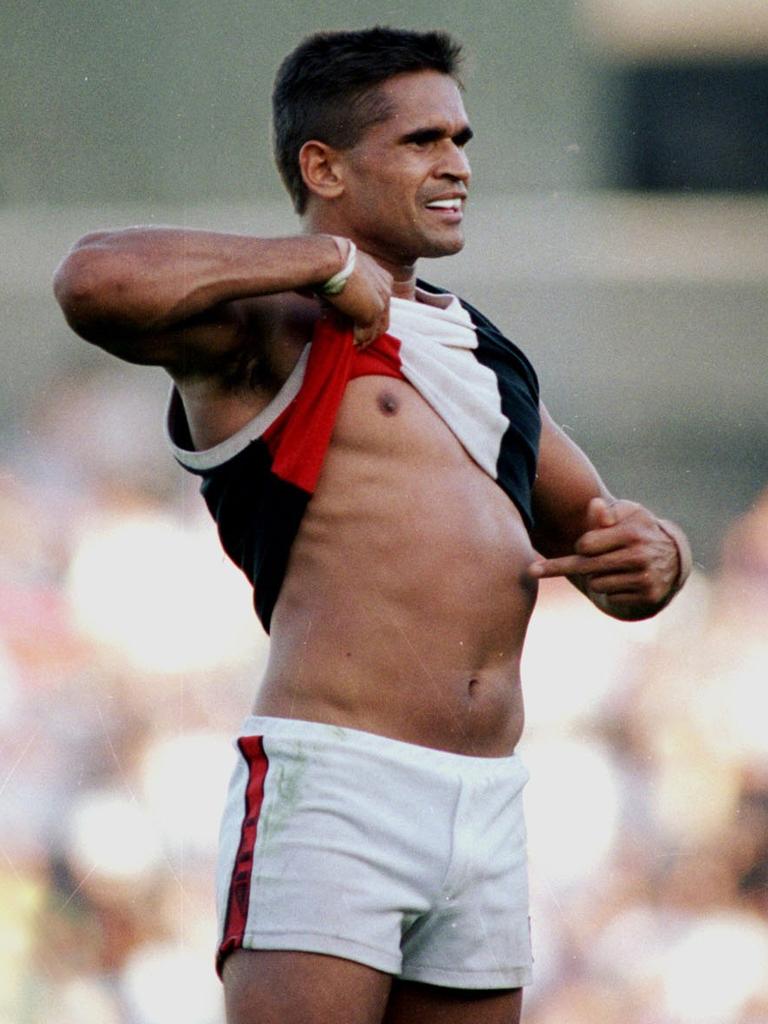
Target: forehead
[422,99]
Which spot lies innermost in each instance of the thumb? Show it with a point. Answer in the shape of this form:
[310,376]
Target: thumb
[600,514]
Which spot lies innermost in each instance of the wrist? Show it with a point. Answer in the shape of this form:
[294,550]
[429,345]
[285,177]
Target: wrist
[684,556]
[335,284]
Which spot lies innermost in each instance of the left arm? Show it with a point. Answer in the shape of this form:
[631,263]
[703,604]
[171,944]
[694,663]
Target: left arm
[626,560]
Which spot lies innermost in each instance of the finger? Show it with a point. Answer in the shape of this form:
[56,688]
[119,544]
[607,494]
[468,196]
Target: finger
[646,585]
[600,514]
[619,560]
[634,529]
[573,565]
[628,599]
[602,541]
[600,536]
[366,334]
[619,583]
[547,568]
[629,528]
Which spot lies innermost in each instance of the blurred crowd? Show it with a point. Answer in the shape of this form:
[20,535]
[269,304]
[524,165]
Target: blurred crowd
[129,655]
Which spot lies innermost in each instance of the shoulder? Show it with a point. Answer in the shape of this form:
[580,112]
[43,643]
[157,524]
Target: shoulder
[493,339]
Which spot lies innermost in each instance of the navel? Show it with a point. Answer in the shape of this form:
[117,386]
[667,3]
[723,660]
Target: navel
[387,403]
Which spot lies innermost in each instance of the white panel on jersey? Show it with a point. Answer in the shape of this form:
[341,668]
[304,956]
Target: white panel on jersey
[437,341]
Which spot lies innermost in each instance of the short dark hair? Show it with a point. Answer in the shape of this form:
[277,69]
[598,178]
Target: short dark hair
[326,89]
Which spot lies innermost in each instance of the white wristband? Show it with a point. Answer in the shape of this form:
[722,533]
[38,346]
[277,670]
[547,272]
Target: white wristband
[335,285]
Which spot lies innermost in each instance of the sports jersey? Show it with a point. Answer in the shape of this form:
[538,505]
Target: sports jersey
[258,482]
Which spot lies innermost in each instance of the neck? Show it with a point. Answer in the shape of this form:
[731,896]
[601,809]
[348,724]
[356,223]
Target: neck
[403,279]
[403,272]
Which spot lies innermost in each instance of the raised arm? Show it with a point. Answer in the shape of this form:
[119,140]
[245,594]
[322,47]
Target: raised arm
[625,559]
[185,299]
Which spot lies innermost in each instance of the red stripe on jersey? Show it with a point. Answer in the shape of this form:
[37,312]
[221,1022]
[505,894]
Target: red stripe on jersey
[298,439]
[382,358]
[252,749]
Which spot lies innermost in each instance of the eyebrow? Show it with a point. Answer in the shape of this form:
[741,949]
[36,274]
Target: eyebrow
[422,135]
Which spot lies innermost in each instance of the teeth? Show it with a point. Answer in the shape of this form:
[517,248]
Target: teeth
[444,204]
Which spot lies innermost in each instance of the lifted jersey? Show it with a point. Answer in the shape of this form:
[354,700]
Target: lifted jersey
[257,483]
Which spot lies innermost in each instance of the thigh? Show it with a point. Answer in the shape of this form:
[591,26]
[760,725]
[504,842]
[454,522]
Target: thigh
[286,987]
[412,1002]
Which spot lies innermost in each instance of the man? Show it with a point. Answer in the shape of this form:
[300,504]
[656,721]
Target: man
[382,489]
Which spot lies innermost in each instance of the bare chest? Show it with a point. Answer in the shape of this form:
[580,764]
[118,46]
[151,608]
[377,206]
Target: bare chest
[388,419]
[395,468]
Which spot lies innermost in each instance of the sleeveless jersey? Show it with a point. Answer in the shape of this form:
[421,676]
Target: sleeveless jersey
[257,483]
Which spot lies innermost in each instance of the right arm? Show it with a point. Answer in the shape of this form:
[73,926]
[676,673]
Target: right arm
[190,300]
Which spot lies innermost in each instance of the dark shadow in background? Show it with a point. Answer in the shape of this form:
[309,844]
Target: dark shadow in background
[690,127]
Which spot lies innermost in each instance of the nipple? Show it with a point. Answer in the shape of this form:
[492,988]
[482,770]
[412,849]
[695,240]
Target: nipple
[387,402]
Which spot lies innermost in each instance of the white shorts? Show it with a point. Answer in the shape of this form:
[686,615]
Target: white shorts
[407,859]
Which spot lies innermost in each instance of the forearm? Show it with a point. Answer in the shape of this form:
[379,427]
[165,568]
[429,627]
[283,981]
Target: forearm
[150,279]
[626,560]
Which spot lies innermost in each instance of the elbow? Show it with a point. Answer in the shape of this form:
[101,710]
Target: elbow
[85,284]
[73,287]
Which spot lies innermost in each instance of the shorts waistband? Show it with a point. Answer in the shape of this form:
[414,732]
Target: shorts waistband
[338,736]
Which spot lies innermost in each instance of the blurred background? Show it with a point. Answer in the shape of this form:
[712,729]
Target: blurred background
[618,231]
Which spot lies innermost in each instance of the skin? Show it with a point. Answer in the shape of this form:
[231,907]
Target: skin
[419,640]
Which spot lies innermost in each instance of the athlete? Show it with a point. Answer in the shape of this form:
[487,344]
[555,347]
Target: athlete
[378,462]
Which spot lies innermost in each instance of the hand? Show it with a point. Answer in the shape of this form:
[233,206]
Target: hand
[365,299]
[625,559]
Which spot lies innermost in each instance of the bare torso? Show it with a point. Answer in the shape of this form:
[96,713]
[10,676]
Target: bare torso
[405,603]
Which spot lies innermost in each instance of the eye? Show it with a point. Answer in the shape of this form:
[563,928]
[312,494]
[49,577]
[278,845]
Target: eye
[423,140]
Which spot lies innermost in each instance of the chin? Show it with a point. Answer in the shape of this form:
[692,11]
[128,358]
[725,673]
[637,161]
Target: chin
[433,248]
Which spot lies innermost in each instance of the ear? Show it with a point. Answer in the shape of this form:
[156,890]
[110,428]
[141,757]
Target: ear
[321,170]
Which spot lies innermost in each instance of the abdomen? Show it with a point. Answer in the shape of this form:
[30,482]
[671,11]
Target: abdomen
[407,582]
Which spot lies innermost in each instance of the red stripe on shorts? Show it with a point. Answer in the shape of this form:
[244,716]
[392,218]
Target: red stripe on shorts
[252,749]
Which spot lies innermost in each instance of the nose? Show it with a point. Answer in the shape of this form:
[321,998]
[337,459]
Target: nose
[454,163]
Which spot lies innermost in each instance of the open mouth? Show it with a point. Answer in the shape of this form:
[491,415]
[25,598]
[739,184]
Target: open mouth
[454,204]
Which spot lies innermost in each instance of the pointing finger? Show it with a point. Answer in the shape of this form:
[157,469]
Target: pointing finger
[571,565]
[619,560]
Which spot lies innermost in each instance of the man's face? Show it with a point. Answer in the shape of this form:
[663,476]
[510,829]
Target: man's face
[406,180]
